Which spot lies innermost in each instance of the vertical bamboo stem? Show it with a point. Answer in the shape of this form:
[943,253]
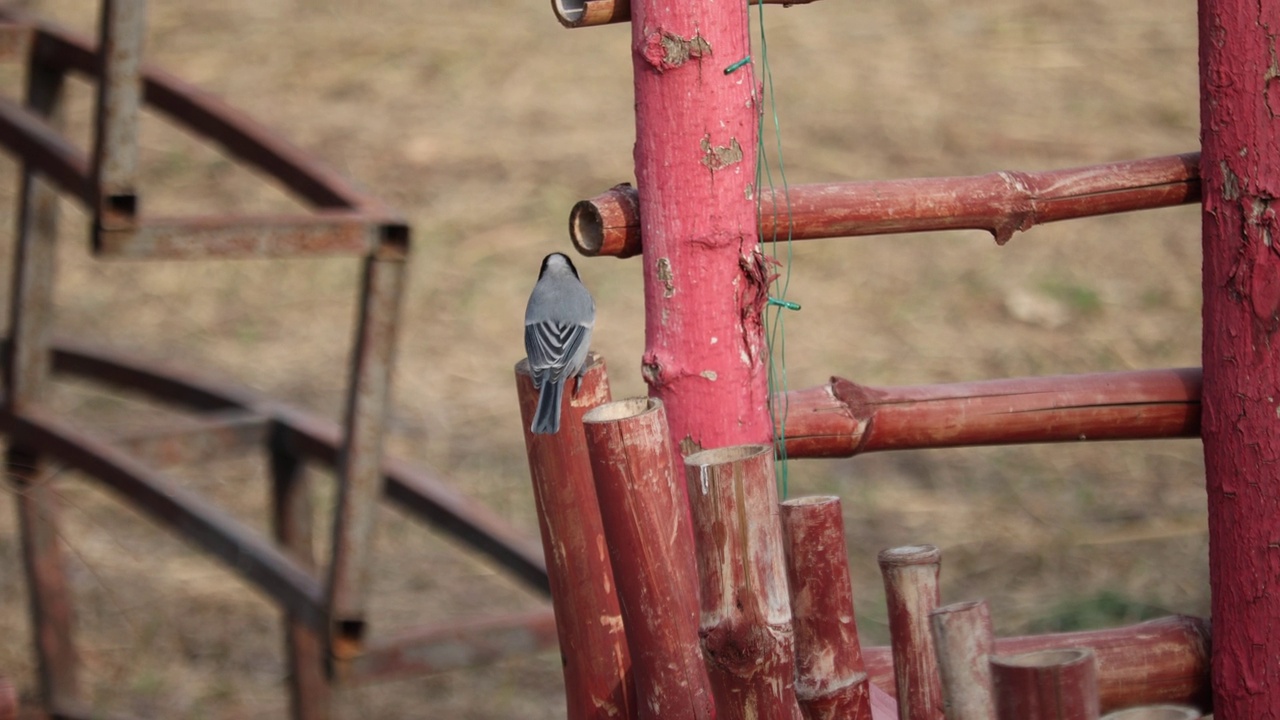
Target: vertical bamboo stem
[8,700]
[911,592]
[1240,425]
[831,680]
[1046,685]
[593,645]
[645,510]
[746,615]
[310,694]
[705,279]
[964,640]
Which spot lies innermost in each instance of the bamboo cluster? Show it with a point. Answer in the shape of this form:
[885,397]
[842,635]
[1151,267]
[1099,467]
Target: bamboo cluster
[731,604]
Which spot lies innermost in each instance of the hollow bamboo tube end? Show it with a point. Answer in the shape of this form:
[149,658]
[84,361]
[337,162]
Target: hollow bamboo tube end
[909,555]
[587,13]
[819,500]
[725,455]
[607,224]
[622,410]
[1067,657]
[1156,712]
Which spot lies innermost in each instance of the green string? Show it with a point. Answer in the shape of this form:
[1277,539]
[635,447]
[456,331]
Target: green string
[773,316]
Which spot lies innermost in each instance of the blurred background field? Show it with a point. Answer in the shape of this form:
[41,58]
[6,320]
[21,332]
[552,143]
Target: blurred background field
[484,123]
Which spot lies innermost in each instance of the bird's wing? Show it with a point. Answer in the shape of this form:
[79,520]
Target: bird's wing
[552,346]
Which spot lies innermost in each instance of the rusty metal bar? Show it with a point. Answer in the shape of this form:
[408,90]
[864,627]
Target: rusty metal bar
[418,490]
[43,149]
[219,435]
[450,646]
[25,378]
[360,463]
[115,151]
[250,555]
[308,679]
[226,237]
[15,41]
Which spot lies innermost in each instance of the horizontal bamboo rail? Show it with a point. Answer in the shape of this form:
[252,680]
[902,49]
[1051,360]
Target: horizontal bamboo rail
[843,418]
[1001,203]
[1159,661]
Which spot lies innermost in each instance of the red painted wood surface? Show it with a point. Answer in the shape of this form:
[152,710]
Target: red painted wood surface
[8,700]
[911,592]
[645,510]
[705,280]
[1046,685]
[844,418]
[1160,661]
[746,631]
[593,646]
[1240,97]
[1000,203]
[831,679]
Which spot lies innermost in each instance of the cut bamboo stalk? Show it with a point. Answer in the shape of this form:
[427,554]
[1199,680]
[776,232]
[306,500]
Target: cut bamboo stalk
[964,640]
[1046,685]
[8,700]
[645,510]
[1155,712]
[746,615]
[843,418]
[588,13]
[593,646]
[1149,663]
[831,681]
[1000,203]
[911,593]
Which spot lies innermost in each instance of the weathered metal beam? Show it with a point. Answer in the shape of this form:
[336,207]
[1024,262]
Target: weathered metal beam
[219,435]
[450,646]
[249,554]
[418,490]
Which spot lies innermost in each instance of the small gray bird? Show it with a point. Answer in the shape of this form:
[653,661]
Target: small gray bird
[557,333]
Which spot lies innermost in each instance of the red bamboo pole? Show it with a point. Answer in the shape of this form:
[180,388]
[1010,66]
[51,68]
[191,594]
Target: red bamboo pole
[831,680]
[1000,203]
[1156,712]
[645,510]
[1239,98]
[964,640]
[746,615]
[588,13]
[8,700]
[593,647]
[705,279]
[1046,685]
[1159,661]
[844,418]
[911,593]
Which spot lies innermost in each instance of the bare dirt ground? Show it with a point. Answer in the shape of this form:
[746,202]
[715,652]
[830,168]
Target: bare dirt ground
[484,122]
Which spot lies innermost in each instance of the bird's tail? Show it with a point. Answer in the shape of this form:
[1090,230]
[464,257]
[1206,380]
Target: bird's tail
[546,419]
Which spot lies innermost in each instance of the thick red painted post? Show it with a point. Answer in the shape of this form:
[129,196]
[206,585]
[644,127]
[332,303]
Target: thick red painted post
[697,109]
[1240,424]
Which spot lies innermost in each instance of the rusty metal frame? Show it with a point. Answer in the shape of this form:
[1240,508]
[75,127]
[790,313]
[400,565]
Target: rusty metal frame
[324,611]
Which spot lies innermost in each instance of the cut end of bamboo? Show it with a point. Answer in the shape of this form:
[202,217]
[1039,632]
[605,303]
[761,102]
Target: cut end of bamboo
[726,455]
[1156,712]
[587,13]
[1045,658]
[910,555]
[622,410]
[815,500]
[607,224]
[958,608]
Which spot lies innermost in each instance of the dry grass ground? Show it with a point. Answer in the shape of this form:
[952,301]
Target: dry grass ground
[484,122]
